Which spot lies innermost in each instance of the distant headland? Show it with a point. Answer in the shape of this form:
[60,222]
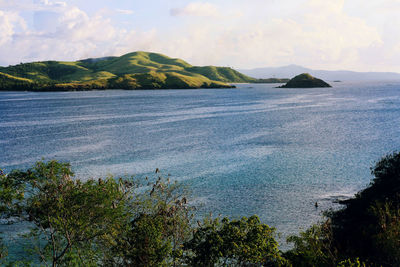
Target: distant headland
[326,75]
[137,70]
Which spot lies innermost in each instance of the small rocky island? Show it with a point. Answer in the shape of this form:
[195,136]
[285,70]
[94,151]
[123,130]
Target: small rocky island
[305,80]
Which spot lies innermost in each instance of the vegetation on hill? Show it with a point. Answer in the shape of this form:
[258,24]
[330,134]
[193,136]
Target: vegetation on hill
[366,230]
[125,222]
[9,81]
[372,217]
[305,80]
[108,72]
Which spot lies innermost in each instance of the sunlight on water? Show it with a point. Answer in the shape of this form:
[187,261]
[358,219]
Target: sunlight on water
[266,151]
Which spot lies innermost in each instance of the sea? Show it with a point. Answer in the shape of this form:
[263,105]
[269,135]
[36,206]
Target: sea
[256,149]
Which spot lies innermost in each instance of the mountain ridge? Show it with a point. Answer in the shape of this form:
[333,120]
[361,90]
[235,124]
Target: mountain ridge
[292,70]
[136,70]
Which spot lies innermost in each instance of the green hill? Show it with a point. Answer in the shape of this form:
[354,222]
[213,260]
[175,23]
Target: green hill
[137,70]
[305,80]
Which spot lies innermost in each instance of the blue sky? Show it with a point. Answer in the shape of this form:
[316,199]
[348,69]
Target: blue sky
[321,34]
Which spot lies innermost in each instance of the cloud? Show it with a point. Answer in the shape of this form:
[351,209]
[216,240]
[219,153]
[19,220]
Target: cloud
[31,5]
[320,34]
[315,33]
[125,11]
[62,32]
[49,3]
[9,22]
[197,9]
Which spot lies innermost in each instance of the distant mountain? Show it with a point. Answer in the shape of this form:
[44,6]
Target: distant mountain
[342,75]
[137,70]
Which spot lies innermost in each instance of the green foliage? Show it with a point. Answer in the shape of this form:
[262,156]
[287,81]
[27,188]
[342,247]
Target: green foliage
[145,243]
[223,74]
[48,71]
[367,228]
[387,232]
[372,217]
[312,247]
[92,222]
[352,263]
[120,222]
[161,224]
[12,192]
[123,82]
[237,243]
[8,82]
[70,219]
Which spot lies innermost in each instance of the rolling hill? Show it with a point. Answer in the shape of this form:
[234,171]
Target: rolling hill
[137,70]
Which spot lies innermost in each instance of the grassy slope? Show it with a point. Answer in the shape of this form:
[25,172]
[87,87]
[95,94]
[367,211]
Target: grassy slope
[145,68]
[7,80]
[143,62]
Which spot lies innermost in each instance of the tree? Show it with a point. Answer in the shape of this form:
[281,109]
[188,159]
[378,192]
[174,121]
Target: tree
[313,247]
[352,263]
[71,220]
[158,228]
[367,228]
[238,243]
[372,217]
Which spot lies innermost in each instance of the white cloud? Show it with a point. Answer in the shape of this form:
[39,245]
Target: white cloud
[9,21]
[31,5]
[6,27]
[125,11]
[49,3]
[320,34]
[62,32]
[384,15]
[315,33]
[198,9]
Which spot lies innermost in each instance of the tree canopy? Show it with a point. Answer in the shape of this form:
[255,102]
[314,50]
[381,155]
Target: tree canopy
[122,221]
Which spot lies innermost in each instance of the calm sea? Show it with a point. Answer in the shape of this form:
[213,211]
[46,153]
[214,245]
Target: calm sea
[251,150]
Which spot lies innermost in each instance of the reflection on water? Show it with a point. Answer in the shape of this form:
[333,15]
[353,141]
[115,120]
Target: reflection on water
[266,151]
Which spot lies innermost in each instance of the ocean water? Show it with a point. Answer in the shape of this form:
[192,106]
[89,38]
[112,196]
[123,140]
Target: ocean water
[251,150]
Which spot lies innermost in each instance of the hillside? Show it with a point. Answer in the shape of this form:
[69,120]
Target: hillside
[137,70]
[7,80]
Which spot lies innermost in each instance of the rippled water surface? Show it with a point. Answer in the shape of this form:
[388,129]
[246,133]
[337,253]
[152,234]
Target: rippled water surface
[259,150]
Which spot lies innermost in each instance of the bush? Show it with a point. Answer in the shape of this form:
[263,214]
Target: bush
[313,247]
[70,219]
[235,243]
[159,225]
[372,217]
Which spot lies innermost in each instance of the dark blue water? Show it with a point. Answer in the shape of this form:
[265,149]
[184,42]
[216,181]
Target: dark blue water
[261,150]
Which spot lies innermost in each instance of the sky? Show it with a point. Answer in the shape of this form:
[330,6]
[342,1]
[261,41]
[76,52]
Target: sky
[320,34]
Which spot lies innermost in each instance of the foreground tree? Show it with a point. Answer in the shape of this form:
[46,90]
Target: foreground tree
[157,230]
[366,229]
[235,243]
[313,247]
[70,220]
[118,222]
[369,225]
